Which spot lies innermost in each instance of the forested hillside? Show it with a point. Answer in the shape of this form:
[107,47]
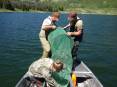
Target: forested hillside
[57,5]
[26,5]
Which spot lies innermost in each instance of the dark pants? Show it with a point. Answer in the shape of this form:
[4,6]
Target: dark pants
[76,60]
[75,49]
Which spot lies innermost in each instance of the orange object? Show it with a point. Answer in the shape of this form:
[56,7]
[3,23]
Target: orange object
[74,79]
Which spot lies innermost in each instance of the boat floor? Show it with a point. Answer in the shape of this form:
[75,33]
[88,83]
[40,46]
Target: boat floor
[85,77]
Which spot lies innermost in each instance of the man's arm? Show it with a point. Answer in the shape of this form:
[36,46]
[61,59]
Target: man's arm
[67,26]
[79,26]
[77,33]
[48,27]
[51,82]
[45,73]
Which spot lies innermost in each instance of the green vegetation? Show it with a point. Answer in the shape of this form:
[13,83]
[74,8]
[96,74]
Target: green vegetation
[93,3]
[93,6]
[82,6]
[26,5]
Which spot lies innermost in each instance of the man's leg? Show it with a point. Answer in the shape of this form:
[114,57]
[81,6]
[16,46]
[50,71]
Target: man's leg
[76,61]
[45,46]
[75,50]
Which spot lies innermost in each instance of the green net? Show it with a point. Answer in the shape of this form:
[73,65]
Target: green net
[61,46]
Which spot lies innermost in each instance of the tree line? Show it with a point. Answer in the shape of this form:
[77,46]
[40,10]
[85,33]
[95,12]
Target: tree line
[31,5]
[55,5]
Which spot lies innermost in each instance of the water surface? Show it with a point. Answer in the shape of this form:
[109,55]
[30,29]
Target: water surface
[20,46]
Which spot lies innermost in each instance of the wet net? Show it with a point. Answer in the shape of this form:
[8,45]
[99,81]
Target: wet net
[61,46]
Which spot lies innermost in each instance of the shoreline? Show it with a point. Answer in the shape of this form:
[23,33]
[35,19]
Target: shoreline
[99,11]
[102,11]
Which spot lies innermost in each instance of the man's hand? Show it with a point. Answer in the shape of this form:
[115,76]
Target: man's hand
[49,27]
[69,33]
[53,27]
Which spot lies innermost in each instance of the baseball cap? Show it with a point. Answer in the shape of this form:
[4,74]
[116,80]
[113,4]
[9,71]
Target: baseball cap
[72,15]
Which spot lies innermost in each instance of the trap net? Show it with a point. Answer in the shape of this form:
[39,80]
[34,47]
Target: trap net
[61,46]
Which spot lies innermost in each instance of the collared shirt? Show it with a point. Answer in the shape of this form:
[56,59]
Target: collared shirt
[47,21]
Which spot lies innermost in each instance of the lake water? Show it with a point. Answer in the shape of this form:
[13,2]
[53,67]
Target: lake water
[20,46]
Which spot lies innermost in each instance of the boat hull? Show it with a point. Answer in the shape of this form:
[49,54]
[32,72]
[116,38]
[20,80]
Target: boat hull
[85,77]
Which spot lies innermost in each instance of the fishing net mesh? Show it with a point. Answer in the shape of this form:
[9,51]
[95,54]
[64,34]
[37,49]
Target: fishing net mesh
[61,46]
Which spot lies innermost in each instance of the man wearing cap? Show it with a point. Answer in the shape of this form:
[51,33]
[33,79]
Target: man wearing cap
[47,26]
[43,69]
[75,31]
